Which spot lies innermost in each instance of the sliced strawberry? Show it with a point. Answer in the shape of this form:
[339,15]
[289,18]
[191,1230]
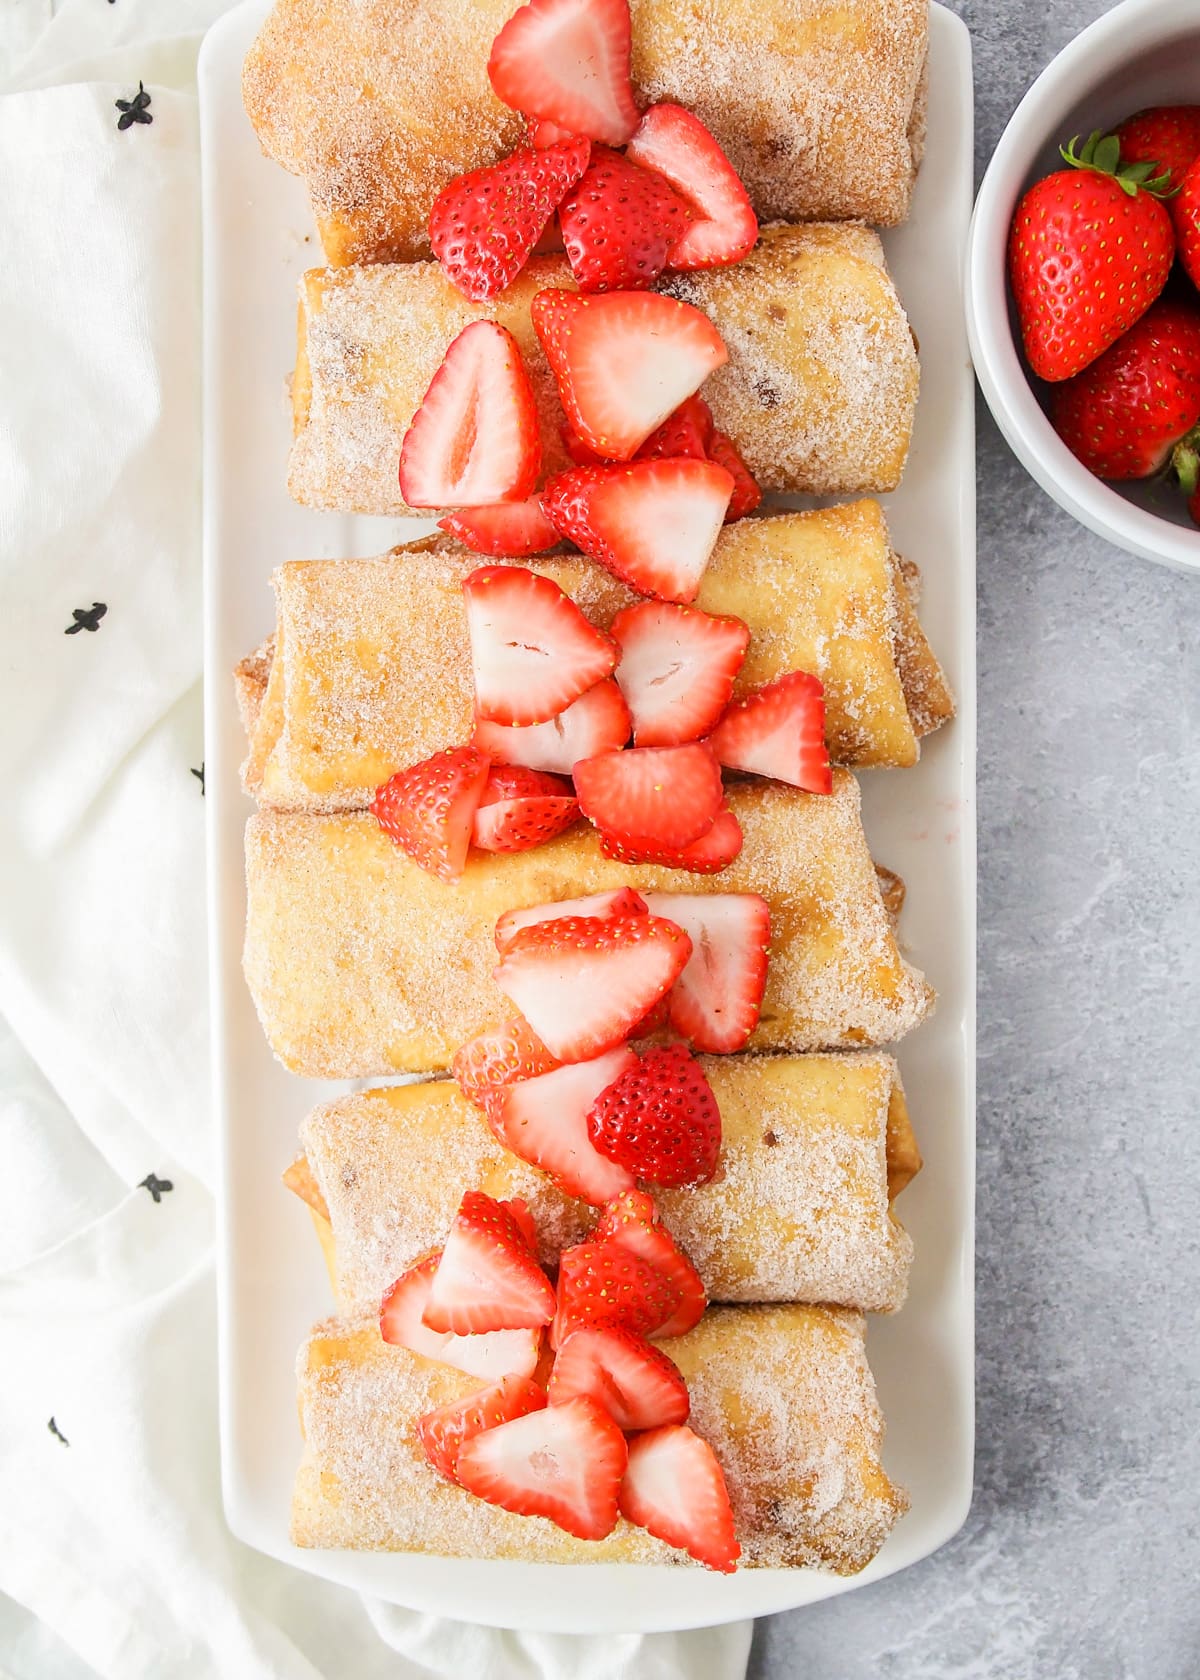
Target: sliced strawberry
[652,523]
[717,998]
[520,808]
[507,530]
[475,438]
[636,1383]
[486,1278]
[519,1208]
[778,731]
[746,493]
[660,1120]
[579,451]
[623,361]
[532,650]
[710,854]
[622,901]
[684,433]
[541,132]
[674,1488]
[582,982]
[676,669]
[567,62]
[496,1354]
[544,1121]
[486,1063]
[633,1222]
[429,809]
[651,796]
[605,1283]
[443,1431]
[484,225]
[677,144]
[618,223]
[564,1462]
[597,722]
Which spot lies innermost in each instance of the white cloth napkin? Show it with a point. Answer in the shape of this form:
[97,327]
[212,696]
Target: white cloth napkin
[114,1555]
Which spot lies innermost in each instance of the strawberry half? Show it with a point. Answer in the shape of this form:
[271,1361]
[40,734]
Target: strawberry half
[675,1489]
[484,225]
[651,796]
[636,1383]
[618,223]
[652,523]
[486,1278]
[605,1283]
[443,1431]
[677,145]
[507,530]
[567,62]
[676,669]
[778,731]
[623,361]
[429,809]
[520,808]
[532,650]
[544,1121]
[633,1222]
[597,722]
[582,982]
[563,1462]
[660,1120]
[687,432]
[485,1064]
[716,1000]
[475,438]
[622,901]
[746,492]
[496,1354]
[710,854]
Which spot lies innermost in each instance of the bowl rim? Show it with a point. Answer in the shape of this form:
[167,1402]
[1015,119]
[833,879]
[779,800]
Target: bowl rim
[998,368]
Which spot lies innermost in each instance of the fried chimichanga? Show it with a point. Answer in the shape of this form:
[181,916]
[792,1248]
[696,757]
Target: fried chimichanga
[361,963]
[818,393]
[377,104]
[783,1394]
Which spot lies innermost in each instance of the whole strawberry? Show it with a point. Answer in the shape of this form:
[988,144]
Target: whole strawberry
[1165,135]
[1123,415]
[1185,213]
[660,1120]
[1090,249]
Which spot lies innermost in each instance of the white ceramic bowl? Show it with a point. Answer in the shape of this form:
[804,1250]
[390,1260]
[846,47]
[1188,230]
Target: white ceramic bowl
[1143,52]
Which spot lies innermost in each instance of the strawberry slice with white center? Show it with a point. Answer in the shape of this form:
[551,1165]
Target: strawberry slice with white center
[506,530]
[633,1222]
[541,133]
[493,1355]
[623,901]
[651,796]
[686,432]
[603,1283]
[637,1384]
[678,145]
[567,62]
[475,438]
[778,731]
[486,1278]
[623,361]
[532,650]
[429,809]
[717,998]
[443,1431]
[618,223]
[713,852]
[563,1462]
[597,722]
[746,493]
[520,808]
[652,523]
[485,1064]
[676,669]
[675,1489]
[544,1121]
[583,982]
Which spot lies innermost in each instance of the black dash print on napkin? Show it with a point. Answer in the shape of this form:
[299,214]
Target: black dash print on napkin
[86,618]
[157,1187]
[134,110]
[57,1433]
[199,775]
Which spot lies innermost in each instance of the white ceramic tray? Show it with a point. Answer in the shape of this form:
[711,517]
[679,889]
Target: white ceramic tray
[258,238]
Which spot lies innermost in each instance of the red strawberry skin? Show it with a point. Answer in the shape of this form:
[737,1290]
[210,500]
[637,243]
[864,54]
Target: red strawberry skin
[651,796]
[687,432]
[443,1431]
[1165,135]
[605,1283]
[621,901]
[563,1462]
[429,809]
[618,223]
[567,62]
[713,852]
[484,1065]
[635,1382]
[746,492]
[676,143]
[1185,214]
[521,808]
[674,1488]
[484,225]
[597,722]
[632,1221]
[544,1121]
[507,530]
[660,1121]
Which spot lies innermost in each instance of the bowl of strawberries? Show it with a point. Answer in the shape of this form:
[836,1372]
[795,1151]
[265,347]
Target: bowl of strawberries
[1083,280]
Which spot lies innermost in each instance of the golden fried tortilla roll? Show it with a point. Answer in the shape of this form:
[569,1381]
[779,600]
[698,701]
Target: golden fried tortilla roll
[818,393]
[371,668]
[360,963]
[783,1394]
[813,1149]
[377,104]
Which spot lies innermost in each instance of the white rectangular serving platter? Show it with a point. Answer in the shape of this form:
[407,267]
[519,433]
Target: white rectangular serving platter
[258,239]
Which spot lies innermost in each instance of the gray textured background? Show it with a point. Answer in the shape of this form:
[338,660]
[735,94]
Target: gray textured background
[1081,1557]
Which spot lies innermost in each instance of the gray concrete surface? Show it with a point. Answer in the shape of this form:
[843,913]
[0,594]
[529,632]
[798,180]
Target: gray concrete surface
[1081,1556]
